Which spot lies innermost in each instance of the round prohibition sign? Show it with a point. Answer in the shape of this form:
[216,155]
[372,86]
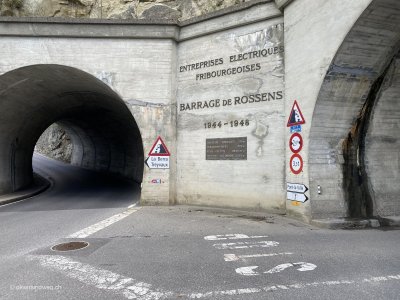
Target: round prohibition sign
[296,163]
[296,142]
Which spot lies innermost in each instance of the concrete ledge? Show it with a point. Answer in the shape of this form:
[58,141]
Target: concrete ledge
[390,221]
[346,223]
[39,185]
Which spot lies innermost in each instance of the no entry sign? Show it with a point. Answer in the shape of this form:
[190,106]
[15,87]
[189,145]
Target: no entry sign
[296,163]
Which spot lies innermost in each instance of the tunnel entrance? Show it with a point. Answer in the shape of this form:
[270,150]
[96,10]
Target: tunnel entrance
[103,133]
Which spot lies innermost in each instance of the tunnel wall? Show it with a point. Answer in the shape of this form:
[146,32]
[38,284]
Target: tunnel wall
[330,55]
[382,155]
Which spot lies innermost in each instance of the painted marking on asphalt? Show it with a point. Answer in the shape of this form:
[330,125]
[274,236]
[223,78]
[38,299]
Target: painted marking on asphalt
[304,267]
[81,234]
[246,245]
[234,236]
[234,257]
[281,287]
[249,271]
[101,279]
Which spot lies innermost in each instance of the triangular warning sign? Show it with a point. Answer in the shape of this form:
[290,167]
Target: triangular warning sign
[159,148]
[295,117]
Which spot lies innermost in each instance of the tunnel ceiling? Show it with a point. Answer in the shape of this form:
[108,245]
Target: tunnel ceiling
[103,131]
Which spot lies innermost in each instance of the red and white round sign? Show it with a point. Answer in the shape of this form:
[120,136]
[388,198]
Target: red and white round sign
[296,142]
[296,163]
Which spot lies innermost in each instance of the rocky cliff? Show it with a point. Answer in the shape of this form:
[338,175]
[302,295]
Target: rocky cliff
[114,9]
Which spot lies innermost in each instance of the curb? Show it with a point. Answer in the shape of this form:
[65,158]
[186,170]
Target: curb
[346,223]
[40,184]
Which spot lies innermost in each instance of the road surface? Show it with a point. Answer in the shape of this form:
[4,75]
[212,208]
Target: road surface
[154,253]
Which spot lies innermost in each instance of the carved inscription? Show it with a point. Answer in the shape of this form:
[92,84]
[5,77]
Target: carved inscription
[226,149]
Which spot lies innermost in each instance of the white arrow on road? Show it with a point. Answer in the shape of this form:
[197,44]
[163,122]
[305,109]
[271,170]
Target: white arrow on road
[304,266]
[249,271]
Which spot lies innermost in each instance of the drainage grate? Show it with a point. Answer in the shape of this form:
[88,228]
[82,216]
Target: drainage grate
[70,246]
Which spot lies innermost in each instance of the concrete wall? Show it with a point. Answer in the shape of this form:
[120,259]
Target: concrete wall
[139,70]
[382,155]
[314,31]
[244,104]
[339,111]
[201,83]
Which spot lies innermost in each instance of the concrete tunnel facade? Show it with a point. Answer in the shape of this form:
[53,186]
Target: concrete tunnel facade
[219,90]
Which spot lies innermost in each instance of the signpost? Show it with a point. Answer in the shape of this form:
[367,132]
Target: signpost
[158,155]
[296,197]
[296,187]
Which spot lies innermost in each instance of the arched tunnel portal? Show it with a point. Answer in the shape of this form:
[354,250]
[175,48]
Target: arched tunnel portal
[103,131]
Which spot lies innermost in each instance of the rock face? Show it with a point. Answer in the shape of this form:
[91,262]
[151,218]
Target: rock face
[114,9]
[55,143]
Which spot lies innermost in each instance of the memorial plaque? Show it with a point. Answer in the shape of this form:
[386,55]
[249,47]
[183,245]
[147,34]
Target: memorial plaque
[226,149]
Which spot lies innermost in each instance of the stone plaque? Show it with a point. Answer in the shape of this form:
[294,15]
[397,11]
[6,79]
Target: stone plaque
[226,149]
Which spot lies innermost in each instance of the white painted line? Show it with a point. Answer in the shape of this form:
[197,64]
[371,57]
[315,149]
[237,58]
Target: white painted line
[101,279]
[281,287]
[234,257]
[234,236]
[81,234]
[246,245]
[132,205]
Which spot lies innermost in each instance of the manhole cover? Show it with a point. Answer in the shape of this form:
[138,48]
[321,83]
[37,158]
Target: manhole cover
[70,246]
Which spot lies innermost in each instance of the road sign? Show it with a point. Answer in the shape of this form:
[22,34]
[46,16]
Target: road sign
[296,187]
[295,128]
[296,142]
[159,148]
[157,162]
[296,163]
[295,117]
[296,197]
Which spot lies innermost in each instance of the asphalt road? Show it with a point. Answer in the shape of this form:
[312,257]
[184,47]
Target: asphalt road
[180,252]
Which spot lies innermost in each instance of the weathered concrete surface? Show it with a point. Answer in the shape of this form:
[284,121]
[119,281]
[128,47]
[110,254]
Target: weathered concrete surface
[331,62]
[382,144]
[314,31]
[363,56]
[257,181]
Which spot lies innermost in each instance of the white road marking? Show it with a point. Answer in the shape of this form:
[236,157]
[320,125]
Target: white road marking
[249,271]
[81,234]
[132,205]
[234,257]
[101,279]
[282,287]
[246,245]
[304,266]
[234,236]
